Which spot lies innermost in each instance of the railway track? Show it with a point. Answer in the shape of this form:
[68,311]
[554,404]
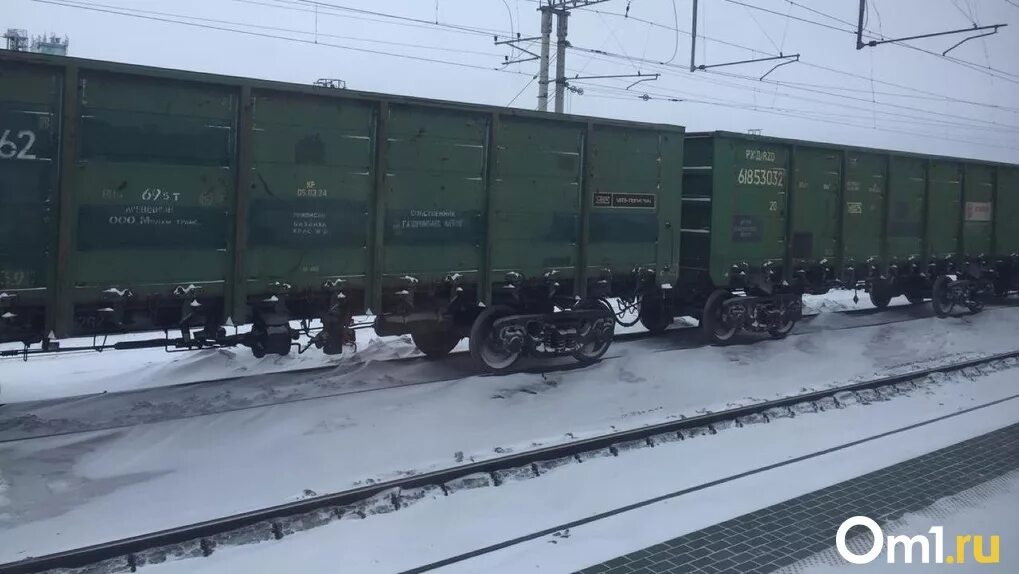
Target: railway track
[202,539]
[24,415]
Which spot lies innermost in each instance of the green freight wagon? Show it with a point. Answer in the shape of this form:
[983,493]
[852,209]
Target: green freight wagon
[139,198]
[765,220]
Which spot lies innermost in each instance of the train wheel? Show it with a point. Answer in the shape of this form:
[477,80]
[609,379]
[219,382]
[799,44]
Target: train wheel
[975,301]
[713,322]
[258,350]
[598,333]
[941,296]
[1000,287]
[653,316]
[880,295]
[781,331]
[486,347]
[436,344]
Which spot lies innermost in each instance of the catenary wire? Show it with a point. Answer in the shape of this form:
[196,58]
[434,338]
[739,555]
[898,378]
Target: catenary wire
[86,3]
[297,6]
[805,62]
[660,66]
[799,114]
[68,4]
[965,63]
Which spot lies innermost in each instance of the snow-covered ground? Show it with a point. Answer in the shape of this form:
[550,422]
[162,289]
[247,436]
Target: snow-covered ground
[361,374]
[87,372]
[440,527]
[69,491]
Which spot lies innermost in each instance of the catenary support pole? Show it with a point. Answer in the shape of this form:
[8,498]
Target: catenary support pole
[546,32]
[693,38]
[859,26]
[562,22]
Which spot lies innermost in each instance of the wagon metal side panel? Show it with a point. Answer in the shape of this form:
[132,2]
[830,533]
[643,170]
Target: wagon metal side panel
[907,188]
[1006,213]
[311,184]
[863,207]
[817,177]
[978,210]
[29,169]
[944,211]
[749,205]
[536,198]
[434,194]
[153,186]
[635,189]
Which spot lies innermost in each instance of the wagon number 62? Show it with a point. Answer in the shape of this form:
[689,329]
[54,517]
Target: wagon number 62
[9,148]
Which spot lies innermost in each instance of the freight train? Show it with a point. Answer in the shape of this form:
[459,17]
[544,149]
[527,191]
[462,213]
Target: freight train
[142,199]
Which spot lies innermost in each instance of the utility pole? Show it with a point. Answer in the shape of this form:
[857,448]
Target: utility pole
[562,23]
[546,32]
[859,27]
[693,39]
[561,10]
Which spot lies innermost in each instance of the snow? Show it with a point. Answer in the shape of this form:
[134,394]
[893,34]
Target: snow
[441,527]
[76,373]
[842,300]
[229,455]
[87,372]
[4,501]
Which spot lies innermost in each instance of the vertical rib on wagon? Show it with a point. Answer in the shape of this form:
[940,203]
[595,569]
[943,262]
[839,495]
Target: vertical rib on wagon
[237,292]
[373,297]
[1006,233]
[586,199]
[61,310]
[491,161]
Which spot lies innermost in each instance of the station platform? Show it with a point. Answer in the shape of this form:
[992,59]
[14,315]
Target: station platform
[779,536]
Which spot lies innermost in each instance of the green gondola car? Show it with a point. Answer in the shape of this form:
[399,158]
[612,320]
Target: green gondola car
[766,220]
[147,199]
[141,199]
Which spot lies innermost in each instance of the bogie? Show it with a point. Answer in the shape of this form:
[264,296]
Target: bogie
[500,335]
[726,314]
[947,293]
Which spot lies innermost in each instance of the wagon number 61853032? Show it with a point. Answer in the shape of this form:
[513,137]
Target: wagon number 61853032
[9,147]
[770,177]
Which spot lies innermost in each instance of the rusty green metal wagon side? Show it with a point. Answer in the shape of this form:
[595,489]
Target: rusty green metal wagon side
[149,199]
[768,219]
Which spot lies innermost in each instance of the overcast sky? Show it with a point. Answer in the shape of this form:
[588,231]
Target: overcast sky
[889,96]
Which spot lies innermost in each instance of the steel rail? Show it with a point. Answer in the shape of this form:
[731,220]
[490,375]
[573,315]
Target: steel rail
[128,548]
[696,488]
